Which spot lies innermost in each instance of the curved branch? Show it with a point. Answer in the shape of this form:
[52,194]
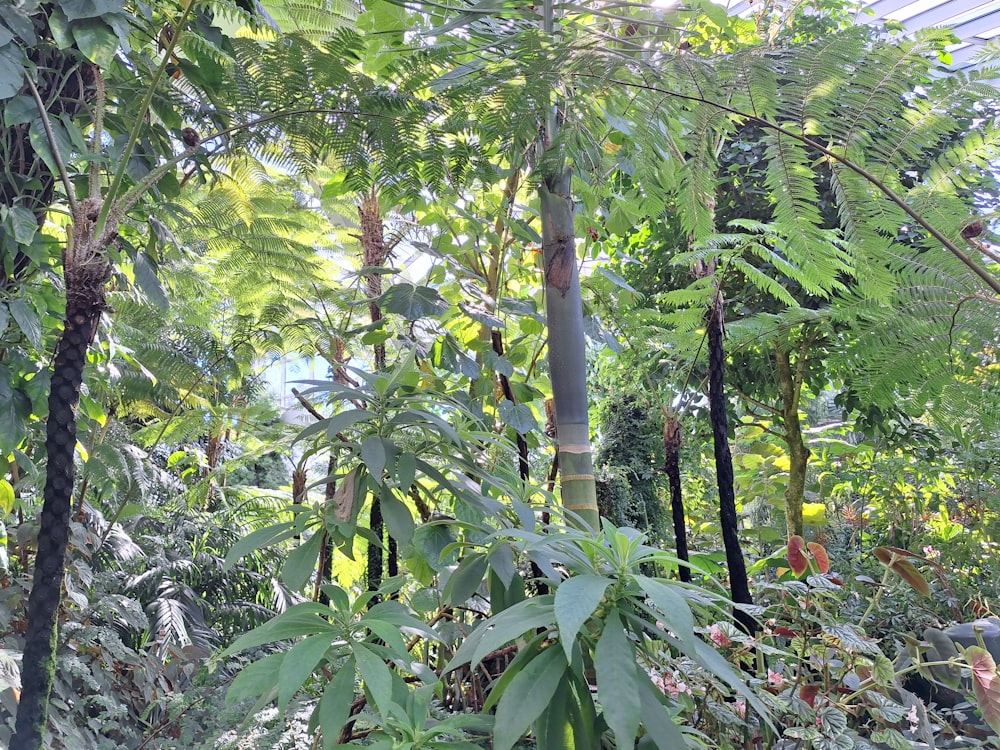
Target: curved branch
[51,137]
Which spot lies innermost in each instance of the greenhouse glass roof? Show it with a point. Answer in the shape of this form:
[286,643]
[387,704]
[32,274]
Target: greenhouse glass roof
[975,22]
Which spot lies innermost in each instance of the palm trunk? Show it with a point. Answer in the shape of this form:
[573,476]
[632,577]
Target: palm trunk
[739,585]
[790,385]
[86,272]
[672,439]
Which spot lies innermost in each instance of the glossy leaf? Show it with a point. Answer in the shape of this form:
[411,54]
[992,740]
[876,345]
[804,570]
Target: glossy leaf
[300,662]
[375,674]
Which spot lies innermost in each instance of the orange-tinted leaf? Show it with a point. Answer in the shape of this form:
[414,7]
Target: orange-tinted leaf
[797,560]
[808,694]
[819,555]
[986,684]
[894,559]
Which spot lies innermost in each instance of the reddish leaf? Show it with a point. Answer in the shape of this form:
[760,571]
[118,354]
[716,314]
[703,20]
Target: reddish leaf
[895,559]
[808,694]
[986,684]
[819,555]
[797,559]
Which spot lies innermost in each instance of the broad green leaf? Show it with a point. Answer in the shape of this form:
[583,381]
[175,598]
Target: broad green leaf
[14,410]
[618,683]
[406,470]
[301,660]
[27,320]
[308,618]
[517,416]
[11,71]
[985,684]
[656,719]
[301,562]
[466,579]
[501,365]
[40,142]
[256,679]
[398,518]
[255,540]
[75,9]
[413,302]
[24,224]
[576,599]
[373,453]
[376,676]
[503,628]
[398,616]
[527,696]
[149,282]
[616,279]
[674,609]
[335,706]
[96,40]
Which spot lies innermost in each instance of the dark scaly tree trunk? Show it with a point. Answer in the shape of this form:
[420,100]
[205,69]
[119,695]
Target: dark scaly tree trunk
[790,385]
[739,585]
[374,255]
[672,440]
[86,270]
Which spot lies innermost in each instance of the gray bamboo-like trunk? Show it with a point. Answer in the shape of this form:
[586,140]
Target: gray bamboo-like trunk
[567,348]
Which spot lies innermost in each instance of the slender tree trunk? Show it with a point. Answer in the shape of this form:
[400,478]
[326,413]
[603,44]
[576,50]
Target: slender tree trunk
[375,253]
[790,385]
[523,468]
[739,585]
[672,439]
[86,270]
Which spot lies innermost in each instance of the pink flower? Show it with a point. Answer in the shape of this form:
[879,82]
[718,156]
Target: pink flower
[775,678]
[720,639]
[913,717]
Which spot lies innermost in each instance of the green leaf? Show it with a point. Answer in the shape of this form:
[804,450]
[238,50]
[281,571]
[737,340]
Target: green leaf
[501,365]
[376,676]
[301,562]
[512,623]
[19,110]
[302,659]
[75,9]
[527,696]
[27,320]
[985,684]
[517,416]
[576,600]
[406,470]
[618,683]
[616,279]
[255,540]
[96,40]
[40,142]
[413,302]
[398,519]
[147,279]
[373,453]
[256,679]
[308,618]
[11,71]
[14,410]
[674,609]
[24,224]
[656,719]
[466,579]
[334,707]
